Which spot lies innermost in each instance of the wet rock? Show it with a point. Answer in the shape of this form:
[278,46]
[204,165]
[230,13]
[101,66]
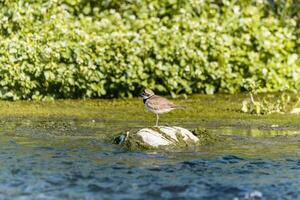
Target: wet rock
[160,137]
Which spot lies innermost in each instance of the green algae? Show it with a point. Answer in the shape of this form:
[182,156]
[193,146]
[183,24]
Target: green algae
[105,118]
[205,136]
[134,142]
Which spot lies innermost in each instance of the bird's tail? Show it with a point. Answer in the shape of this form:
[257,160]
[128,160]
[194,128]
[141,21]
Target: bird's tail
[179,107]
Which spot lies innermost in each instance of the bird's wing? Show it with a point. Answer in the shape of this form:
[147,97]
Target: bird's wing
[158,102]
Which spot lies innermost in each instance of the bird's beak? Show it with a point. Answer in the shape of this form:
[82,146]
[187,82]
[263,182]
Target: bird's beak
[142,94]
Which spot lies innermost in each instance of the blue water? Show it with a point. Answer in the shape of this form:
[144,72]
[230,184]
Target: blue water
[89,168]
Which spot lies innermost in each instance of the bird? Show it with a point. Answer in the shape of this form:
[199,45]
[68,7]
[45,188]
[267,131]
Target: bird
[157,104]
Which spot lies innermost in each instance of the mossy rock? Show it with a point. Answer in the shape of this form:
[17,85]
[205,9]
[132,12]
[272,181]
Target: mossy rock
[163,137]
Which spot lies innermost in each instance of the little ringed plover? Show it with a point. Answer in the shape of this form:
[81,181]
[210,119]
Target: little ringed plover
[157,104]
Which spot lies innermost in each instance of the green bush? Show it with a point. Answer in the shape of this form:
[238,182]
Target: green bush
[112,48]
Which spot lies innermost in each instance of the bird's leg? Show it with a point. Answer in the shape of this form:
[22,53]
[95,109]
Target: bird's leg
[157,117]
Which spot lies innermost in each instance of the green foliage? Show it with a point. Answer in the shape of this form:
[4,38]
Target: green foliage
[268,105]
[112,48]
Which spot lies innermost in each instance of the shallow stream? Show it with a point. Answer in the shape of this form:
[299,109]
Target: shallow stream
[73,159]
[90,167]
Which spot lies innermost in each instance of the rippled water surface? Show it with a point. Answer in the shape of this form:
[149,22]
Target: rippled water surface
[86,166]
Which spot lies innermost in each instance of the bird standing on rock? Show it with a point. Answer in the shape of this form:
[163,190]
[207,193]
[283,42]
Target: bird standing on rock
[157,104]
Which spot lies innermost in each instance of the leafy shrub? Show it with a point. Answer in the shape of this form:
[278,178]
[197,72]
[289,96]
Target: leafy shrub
[112,48]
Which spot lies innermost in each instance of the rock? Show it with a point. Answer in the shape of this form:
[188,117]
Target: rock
[164,135]
[160,137]
[295,111]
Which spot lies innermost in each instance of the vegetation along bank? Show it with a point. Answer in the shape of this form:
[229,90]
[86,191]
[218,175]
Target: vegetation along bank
[89,49]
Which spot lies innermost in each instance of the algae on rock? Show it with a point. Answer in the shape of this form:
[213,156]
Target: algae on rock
[164,137]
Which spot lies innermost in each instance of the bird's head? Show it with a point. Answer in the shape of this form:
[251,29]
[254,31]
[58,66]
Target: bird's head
[147,93]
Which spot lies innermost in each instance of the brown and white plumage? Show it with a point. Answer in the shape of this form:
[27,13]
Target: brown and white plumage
[157,104]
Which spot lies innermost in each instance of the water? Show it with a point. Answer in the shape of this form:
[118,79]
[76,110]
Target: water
[38,164]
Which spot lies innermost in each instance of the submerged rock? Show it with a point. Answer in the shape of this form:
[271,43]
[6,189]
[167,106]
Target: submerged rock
[161,137]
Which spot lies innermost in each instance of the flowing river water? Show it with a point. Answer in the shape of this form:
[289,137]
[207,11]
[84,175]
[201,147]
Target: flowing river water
[46,156]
